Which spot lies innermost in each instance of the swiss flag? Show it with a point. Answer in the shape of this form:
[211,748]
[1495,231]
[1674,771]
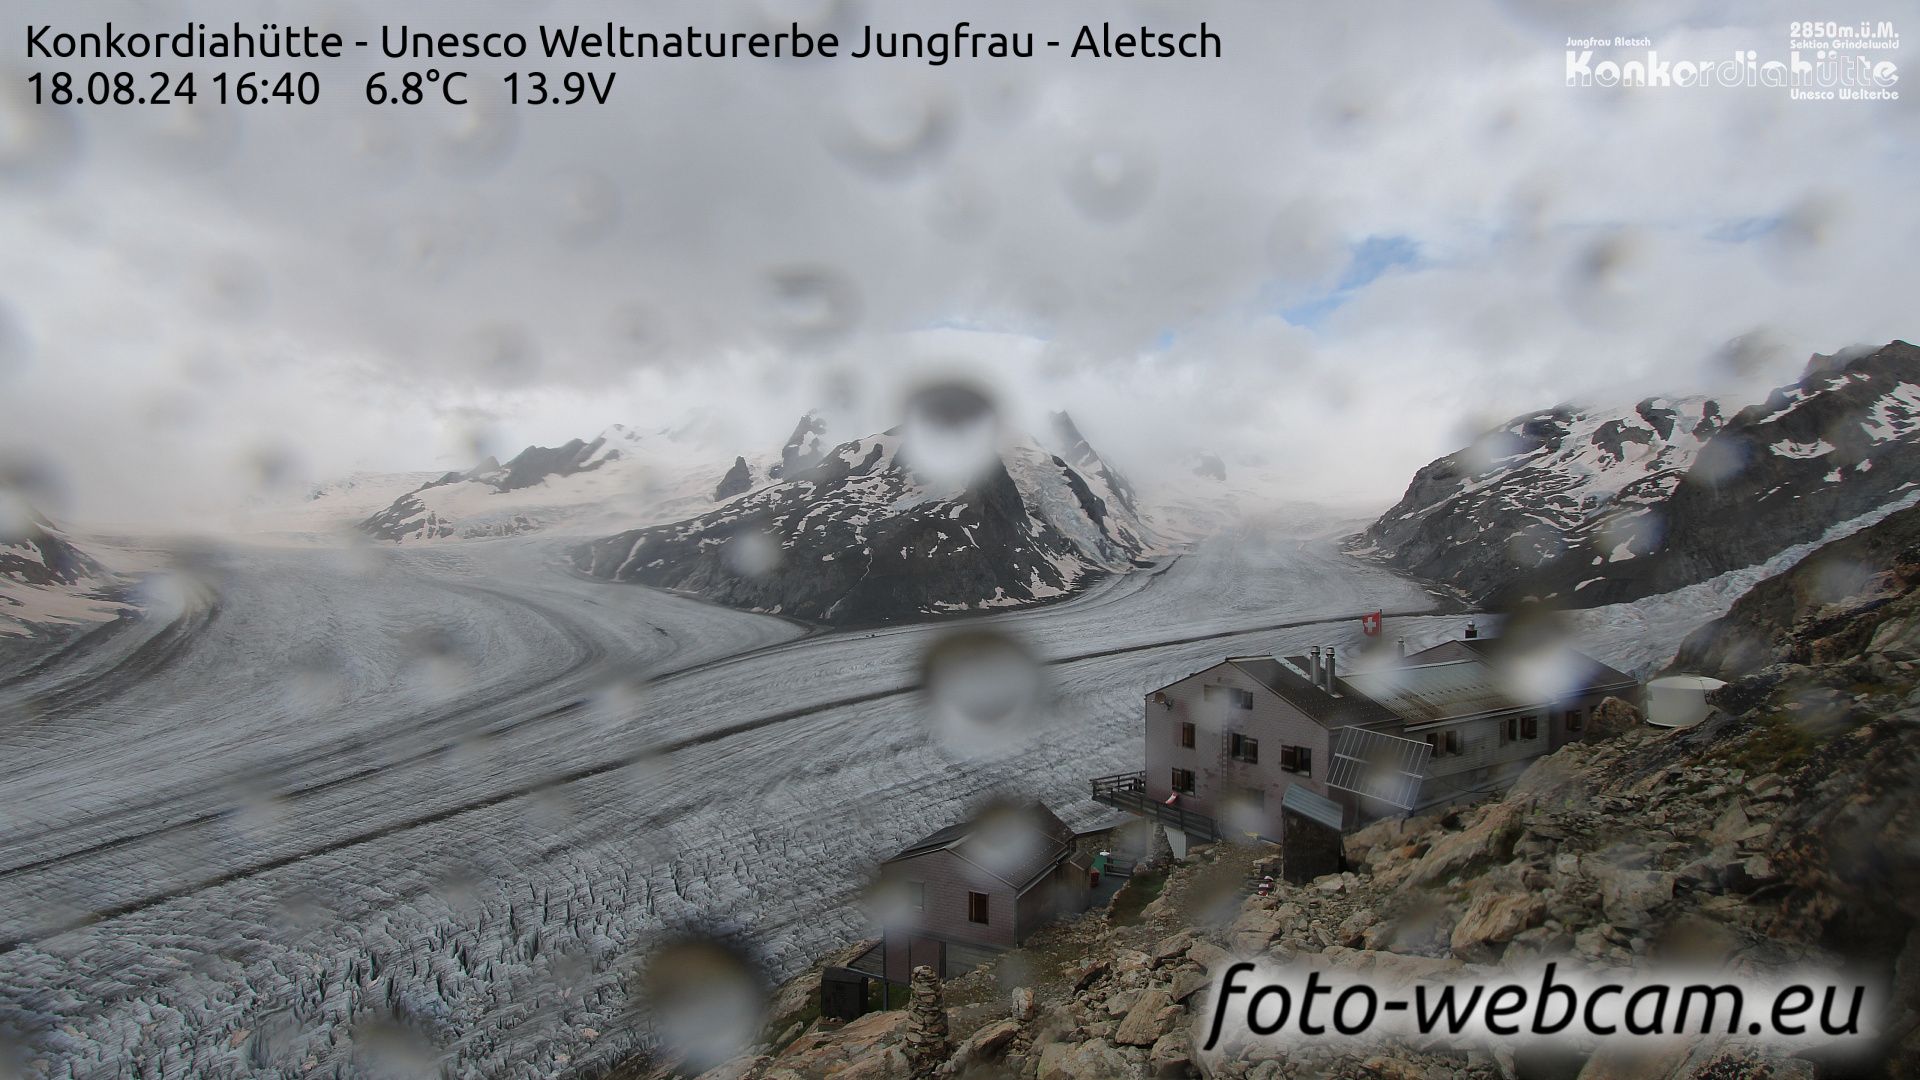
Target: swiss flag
[1172,797]
[1370,623]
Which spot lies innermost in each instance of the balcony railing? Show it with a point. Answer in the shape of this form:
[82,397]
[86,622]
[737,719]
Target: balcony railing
[1128,791]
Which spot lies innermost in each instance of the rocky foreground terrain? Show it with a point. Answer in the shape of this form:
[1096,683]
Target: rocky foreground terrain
[1778,835]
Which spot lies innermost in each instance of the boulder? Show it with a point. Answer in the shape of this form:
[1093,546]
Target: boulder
[1172,1055]
[989,1044]
[1172,945]
[1089,975]
[1209,956]
[1492,920]
[1490,836]
[1611,717]
[1353,929]
[1143,1024]
[1090,1060]
[1631,896]
[1254,929]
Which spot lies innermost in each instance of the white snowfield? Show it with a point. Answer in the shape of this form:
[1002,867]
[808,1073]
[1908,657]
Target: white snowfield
[435,802]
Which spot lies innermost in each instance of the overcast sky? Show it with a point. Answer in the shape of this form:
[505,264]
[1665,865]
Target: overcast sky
[1365,232]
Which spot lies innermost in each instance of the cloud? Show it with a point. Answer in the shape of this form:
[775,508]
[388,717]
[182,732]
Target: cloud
[1457,234]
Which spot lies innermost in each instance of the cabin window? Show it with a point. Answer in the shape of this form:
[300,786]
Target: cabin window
[1254,797]
[1186,736]
[1183,781]
[1453,742]
[1433,744]
[977,907]
[1513,729]
[1243,748]
[1576,718]
[1296,759]
[1529,727]
[917,895]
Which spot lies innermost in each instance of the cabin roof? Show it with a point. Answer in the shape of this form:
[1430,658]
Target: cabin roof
[1454,679]
[1018,845]
[1468,681]
[1287,678]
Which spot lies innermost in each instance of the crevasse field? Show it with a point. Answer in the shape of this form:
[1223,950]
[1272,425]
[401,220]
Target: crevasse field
[421,811]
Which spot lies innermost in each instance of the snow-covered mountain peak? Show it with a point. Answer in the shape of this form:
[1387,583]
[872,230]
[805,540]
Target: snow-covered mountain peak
[865,535]
[1603,505]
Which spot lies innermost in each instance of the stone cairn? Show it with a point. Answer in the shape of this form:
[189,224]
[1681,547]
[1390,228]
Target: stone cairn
[926,1035]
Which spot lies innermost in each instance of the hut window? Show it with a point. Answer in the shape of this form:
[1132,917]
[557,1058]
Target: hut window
[1453,742]
[1242,748]
[1186,736]
[1296,759]
[1575,719]
[1183,781]
[977,907]
[1433,743]
[1529,727]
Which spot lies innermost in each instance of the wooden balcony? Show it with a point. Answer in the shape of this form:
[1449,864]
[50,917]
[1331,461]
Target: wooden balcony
[1128,791]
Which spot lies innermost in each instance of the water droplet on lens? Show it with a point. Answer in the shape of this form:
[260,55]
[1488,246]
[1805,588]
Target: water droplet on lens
[587,209]
[392,1048]
[39,144]
[983,693]
[483,135]
[951,435]
[752,553]
[703,999]
[890,135]
[1110,184]
[16,347]
[810,306]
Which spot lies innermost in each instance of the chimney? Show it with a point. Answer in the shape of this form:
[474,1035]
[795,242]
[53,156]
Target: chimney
[1313,665]
[1329,669]
[1472,631]
[1402,645]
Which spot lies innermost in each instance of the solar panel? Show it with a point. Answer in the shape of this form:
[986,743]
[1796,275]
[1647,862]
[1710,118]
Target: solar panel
[1379,766]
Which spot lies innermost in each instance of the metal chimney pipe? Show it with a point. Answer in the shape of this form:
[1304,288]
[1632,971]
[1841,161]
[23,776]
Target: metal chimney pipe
[1313,665]
[1403,648]
[1329,669]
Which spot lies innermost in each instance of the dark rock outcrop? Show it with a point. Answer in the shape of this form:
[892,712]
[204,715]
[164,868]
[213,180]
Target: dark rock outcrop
[804,448]
[738,479]
[859,540]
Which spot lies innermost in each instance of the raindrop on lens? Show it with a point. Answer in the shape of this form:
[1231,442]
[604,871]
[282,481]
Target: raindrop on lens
[751,553]
[983,691]
[890,135]
[705,1001]
[1110,184]
[38,144]
[951,435]
[587,210]
[16,348]
[809,305]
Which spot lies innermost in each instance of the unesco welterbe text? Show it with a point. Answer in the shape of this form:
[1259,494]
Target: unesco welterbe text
[960,41]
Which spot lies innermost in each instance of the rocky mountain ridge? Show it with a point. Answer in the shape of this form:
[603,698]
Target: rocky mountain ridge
[860,538]
[1590,507]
